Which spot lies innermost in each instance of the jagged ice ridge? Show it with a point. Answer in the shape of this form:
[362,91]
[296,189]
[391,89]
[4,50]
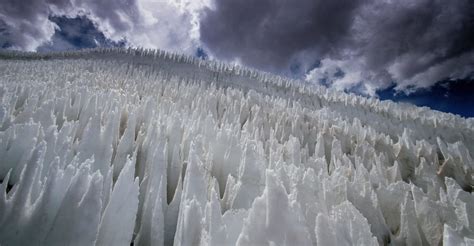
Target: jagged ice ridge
[114,146]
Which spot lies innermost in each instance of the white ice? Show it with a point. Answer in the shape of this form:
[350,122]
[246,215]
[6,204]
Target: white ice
[110,147]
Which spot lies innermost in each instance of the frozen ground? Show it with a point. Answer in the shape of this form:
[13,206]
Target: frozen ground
[109,147]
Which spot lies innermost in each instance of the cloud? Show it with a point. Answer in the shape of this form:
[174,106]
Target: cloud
[410,43]
[24,24]
[167,24]
[76,33]
[345,75]
[269,33]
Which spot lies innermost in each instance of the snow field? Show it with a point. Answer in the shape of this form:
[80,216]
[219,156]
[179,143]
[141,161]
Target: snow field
[111,147]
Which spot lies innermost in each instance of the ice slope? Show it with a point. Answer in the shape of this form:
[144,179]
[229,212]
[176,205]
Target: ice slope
[109,147]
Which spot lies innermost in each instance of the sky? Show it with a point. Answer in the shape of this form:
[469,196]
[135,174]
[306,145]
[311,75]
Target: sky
[412,51]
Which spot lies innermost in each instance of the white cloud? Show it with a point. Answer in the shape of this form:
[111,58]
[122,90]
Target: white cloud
[345,75]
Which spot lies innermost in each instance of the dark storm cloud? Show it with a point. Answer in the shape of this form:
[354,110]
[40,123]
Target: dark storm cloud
[270,32]
[410,38]
[409,42]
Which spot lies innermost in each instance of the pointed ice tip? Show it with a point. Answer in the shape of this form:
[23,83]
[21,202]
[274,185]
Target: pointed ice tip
[271,179]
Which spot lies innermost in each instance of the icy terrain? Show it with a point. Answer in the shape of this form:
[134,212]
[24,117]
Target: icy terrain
[110,147]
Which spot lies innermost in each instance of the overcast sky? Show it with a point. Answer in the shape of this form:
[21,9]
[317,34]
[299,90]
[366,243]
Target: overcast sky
[365,46]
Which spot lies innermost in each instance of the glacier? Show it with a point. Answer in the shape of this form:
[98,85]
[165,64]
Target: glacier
[146,147]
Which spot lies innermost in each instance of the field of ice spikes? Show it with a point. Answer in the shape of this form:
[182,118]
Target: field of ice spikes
[121,147]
